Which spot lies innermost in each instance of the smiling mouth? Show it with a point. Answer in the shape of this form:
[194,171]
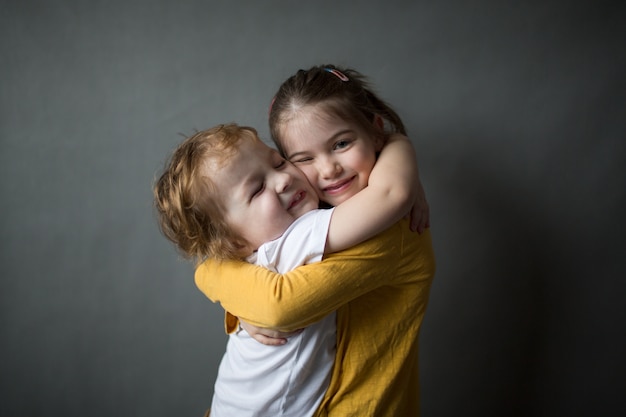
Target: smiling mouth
[338,187]
[296,199]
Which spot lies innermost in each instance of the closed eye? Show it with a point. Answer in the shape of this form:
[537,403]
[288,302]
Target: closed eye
[257,191]
[302,160]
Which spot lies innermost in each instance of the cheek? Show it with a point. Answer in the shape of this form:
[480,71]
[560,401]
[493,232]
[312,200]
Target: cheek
[363,162]
[310,173]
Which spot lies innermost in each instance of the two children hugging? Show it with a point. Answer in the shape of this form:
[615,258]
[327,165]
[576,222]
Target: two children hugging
[225,195]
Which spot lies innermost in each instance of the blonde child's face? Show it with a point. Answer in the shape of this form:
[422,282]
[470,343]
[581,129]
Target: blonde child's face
[262,193]
[336,156]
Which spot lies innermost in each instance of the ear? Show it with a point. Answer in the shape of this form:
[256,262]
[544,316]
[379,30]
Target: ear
[242,247]
[379,127]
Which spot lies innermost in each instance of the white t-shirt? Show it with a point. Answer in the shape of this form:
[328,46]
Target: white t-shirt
[288,380]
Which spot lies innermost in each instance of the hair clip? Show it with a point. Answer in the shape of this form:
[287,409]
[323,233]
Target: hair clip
[338,73]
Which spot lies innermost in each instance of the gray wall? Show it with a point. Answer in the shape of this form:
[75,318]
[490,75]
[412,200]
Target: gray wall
[516,109]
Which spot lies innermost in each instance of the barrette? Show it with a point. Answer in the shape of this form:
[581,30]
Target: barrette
[338,73]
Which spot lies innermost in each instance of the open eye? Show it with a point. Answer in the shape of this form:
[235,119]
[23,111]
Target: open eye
[341,144]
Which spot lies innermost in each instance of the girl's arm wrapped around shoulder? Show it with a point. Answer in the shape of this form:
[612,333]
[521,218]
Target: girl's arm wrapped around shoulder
[306,294]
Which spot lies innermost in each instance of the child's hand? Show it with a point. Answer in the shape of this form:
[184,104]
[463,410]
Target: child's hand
[420,212]
[267,336]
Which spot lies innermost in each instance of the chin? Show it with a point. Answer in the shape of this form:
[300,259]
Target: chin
[337,200]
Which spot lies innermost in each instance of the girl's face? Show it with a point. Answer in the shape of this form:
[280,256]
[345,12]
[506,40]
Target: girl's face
[336,156]
[262,193]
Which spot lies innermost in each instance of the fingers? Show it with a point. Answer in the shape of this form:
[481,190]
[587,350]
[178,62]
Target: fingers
[420,212]
[422,221]
[273,338]
[417,219]
[267,336]
[420,218]
[269,341]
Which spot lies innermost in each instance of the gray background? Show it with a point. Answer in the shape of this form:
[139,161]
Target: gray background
[516,109]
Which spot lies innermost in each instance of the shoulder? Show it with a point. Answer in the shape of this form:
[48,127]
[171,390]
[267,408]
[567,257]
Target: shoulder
[394,243]
[386,245]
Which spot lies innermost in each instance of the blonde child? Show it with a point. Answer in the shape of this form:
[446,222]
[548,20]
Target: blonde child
[319,119]
[226,195]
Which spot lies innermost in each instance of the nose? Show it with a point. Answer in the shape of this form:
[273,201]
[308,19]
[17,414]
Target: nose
[283,181]
[328,168]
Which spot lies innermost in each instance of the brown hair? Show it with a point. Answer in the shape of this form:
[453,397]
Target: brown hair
[343,92]
[190,211]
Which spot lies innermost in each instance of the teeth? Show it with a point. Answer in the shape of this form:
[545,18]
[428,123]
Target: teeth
[297,198]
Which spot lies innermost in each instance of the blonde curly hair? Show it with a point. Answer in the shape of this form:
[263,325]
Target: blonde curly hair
[190,211]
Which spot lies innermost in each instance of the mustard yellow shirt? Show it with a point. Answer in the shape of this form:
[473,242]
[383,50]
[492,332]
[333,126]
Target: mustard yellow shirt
[380,290]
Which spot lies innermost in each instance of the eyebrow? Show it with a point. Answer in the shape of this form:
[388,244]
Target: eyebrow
[330,139]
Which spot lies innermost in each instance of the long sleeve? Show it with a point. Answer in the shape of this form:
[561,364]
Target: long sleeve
[306,294]
[380,291]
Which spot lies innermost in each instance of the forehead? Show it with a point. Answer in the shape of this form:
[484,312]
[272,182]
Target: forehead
[247,150]
[313,125]
[312,121]
[314,114]
[251,158]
